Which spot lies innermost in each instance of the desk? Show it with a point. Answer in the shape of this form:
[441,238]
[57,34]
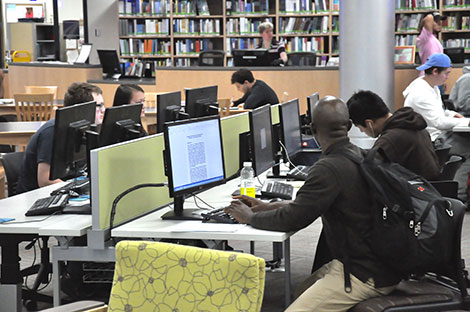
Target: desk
[18,132]
[12,234]
[152,226]
[461,129]
[10,107]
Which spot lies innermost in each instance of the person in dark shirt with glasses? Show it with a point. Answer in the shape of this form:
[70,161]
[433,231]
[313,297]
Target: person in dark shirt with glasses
[256,92]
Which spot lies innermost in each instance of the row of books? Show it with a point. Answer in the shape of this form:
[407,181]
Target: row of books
[200,26]
[335,24]
[459,42]
[453,4]
[454,23]
[144,7]
[185,62]
[303,6]
[304,25]
[192,46]
[407,22]
[191,7]
[244,25]
[241,43]
[295,44]
[247,6]
[335,45]
[416,4]
[405,40]
[144,46]
[144,27]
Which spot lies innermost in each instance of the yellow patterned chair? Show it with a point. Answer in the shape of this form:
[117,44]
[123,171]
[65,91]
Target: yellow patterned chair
[153,276]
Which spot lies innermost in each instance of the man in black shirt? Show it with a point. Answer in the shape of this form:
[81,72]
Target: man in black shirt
[257,92]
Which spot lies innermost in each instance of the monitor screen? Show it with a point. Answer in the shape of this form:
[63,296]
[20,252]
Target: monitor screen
[109,61]
[253,57]
[456,55]
[120,124]
[168,108]
[194,159]
[71,29]
[290,127]
[201,102]
[312,100]
[69,145]
[262,155]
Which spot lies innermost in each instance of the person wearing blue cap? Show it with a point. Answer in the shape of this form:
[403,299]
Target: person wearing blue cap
[424,97]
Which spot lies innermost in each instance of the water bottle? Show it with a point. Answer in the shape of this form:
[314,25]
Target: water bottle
[247,180]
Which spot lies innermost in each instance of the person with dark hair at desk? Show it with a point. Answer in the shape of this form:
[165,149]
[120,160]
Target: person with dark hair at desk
[37,161]
[131,94]
[256,92]
[269,42]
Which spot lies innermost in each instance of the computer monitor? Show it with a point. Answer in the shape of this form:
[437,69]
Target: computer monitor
[169,109]
[253,57]
[120,124]
[312,100]
[201,102]
[110,62]
[194,161]
[290,128]
[69,151]
[456,55]
[71,29]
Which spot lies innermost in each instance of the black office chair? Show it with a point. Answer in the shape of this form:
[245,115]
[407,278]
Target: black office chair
[444,291]
[12,164]
[450,168]
[442,154]
[301,59]
[211,58]
[446,188]
[7,148]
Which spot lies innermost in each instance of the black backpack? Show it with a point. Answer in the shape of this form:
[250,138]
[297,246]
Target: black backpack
[413,225]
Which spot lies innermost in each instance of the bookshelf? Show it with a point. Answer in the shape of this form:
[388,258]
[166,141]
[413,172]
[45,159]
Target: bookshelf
[173,32]
[455,30]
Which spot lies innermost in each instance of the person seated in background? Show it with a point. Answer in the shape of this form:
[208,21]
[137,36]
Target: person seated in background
[424,97]
[402,136]
[131,94]
[460,93]
[346,211]
[269,42]
[256,92]
[36,165]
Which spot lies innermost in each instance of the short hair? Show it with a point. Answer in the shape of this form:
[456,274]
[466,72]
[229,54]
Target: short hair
[265,25]
[80,92]
[241,75]
[430,70]
[124,93]
[366,105]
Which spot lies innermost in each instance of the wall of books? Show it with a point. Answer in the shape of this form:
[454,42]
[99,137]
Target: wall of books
[455,29]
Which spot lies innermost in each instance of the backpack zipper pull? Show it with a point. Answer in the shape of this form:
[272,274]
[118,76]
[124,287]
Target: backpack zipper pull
[418,229]
[384,213]
[412,224]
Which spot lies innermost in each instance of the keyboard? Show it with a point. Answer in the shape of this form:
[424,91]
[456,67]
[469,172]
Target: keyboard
[218,216]
[276,189]
[298,173]
[79,185]
[48,205]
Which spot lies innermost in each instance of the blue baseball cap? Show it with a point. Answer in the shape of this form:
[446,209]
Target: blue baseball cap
[436,60]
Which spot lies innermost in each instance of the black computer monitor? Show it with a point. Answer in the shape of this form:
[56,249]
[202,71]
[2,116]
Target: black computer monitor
[456,55]
[312,100]
[169,109]
[253,57]
[120,124]
[201,102]
[69,150]
[290,128]
[194,160]
[71,29]
[110,62]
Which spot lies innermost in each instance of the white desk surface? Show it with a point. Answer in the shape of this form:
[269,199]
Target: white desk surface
[461,129]
[56,225]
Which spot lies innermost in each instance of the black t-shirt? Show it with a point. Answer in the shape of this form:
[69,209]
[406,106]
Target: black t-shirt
[39,150]
[259,95]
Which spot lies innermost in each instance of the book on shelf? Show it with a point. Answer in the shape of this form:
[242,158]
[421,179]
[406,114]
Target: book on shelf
[465,22]
[450,23]
[184,7]
[134,46]
[196,27]
[322,6]
[144,27]
[144,7]
[405,5]
[248,7]
[241,43]
[304,44]
[335,6]
[192,46]
[405,40]
[304,25]
[335,24]
[297,6]
[456,4]
[457,43]
[407,22]
[244,25]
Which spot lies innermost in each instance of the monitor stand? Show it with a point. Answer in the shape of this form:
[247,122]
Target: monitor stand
[179,213]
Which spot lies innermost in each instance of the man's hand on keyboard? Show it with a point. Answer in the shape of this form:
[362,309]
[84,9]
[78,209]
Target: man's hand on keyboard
[255,204]
[241,212]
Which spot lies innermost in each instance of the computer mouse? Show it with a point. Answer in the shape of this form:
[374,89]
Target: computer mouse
[276,199]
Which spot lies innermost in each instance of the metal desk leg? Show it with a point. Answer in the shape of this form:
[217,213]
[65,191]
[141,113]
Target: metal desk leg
[55,280]
[252,247]
[287,273]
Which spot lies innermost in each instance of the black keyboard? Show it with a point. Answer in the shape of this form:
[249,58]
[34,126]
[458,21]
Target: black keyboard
[276,189]
[298,173]
[48,205]
[218,216]
[80,185]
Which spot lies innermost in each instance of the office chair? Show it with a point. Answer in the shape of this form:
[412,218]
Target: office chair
[301,59]
[211,58]
[446,188]
[3,147]
[12,164]
[450,168]
[442,154]
[445,291]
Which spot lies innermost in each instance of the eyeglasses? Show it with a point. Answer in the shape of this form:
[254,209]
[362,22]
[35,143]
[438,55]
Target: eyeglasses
[100,106]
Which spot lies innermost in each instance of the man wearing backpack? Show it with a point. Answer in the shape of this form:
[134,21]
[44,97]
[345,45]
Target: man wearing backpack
[336,191]
[402,136]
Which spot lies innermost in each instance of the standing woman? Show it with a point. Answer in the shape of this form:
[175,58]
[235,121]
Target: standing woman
[269,42]
[427,41]
[131,94]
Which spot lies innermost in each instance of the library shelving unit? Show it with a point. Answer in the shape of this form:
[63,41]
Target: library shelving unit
[173,32]
[455,30]
[36,38]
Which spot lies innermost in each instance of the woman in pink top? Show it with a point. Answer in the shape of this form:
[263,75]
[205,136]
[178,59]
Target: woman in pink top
[427,41]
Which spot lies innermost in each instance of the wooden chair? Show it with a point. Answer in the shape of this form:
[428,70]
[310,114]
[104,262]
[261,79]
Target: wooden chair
[34,107]
[224,107]
[41,90]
